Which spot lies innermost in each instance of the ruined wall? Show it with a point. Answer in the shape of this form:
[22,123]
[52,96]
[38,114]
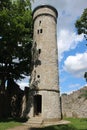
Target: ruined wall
[75,104]
[11,101]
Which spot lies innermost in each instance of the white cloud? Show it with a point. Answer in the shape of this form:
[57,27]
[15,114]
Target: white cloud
[74,86]
[23,85]
[63,4]
[76,65]
[68,13]
[24,82]
[68,10]
[67,40]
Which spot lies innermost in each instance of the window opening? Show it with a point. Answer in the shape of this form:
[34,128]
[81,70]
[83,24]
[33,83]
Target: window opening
[38,76]
[39,51]
[41,30]
[38,31]
[40,22]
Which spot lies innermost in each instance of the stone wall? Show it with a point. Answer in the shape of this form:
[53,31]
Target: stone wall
[11,100]
[75,104]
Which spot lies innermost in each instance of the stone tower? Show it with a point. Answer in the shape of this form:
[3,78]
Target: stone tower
[44,85]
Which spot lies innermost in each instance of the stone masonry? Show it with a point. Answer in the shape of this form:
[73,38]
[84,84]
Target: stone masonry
[44,94]
[75,104]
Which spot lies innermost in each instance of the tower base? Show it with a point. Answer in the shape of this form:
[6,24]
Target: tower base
[44,105]
[39,122]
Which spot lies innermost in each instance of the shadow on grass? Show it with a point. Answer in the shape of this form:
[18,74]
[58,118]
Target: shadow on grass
[83,119]
[20,120]
[59,127]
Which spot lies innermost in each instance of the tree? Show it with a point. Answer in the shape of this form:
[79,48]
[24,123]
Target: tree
[81,24]
[85,76]
[15,39]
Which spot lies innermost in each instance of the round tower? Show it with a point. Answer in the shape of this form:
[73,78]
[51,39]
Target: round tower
[44,78]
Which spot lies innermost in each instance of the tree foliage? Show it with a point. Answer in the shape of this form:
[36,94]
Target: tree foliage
[15,39]
[81,24]
[85,76]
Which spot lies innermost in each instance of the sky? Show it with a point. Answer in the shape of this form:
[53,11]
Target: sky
[72,50]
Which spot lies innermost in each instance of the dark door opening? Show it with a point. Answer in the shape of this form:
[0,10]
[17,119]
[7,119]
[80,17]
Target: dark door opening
[37,105]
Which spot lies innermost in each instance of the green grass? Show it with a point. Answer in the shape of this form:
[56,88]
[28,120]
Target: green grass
[79,124]
[76,124]
[8,123]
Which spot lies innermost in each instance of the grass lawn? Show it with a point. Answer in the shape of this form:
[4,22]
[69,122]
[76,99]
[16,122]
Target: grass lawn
[8,123]
[76,124]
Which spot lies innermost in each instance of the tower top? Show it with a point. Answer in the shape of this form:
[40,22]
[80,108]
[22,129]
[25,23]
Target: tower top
[46,6]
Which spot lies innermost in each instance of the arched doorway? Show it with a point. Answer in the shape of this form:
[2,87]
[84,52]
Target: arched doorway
[37,105]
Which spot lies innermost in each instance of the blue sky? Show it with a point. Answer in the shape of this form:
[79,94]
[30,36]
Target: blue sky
[72,51]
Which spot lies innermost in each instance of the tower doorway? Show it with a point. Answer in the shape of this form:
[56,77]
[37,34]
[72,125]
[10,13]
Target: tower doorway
[37,105]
